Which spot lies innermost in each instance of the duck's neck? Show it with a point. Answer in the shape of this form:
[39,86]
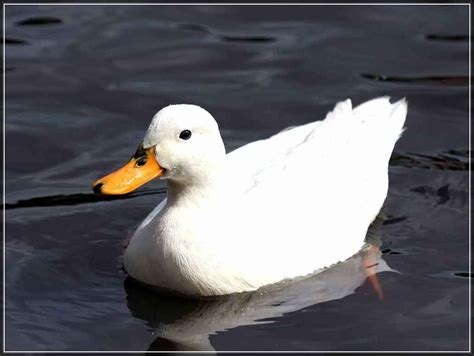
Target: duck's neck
[198,193]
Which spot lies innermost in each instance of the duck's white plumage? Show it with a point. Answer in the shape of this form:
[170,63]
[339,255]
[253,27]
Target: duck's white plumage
[278,208]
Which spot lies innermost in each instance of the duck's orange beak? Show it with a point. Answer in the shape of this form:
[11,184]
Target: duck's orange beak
[141,168]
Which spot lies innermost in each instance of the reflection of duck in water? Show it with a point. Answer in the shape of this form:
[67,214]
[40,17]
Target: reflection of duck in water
[185,324]
[228,226]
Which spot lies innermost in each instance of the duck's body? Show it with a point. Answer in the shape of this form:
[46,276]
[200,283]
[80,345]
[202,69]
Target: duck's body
[279,208]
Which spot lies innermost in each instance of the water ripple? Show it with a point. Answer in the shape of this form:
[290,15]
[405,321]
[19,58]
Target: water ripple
[446,37]
[15,41]
[259,39]
[39,21]
[443,80]
[455,160]
[76,199]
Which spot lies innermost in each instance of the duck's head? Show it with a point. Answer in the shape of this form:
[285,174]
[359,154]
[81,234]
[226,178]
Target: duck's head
[182,144]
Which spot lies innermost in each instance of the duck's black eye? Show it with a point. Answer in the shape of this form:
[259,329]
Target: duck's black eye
[185,135]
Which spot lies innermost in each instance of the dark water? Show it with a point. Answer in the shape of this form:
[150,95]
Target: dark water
[82,84]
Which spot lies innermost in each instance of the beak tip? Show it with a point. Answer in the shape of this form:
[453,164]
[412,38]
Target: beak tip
[97,188]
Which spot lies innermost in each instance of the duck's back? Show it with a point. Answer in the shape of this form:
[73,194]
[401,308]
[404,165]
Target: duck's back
[308,194]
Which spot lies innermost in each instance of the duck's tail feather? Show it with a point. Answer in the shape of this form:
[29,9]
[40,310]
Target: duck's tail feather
[372,128]
[384,123]
[398,116]
[381,112]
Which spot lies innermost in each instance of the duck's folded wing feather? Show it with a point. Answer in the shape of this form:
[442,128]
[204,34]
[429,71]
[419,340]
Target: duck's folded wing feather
[324,178]
[359,139]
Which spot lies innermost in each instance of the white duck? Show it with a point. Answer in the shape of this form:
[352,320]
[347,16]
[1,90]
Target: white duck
[273,209]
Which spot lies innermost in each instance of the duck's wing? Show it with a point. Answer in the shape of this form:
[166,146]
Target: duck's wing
[249,163]
[346,138]
[317,185]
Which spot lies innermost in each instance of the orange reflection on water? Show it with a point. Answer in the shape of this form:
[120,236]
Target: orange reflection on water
[369,262]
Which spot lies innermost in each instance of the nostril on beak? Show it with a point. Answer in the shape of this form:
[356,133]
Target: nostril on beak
[98,188]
